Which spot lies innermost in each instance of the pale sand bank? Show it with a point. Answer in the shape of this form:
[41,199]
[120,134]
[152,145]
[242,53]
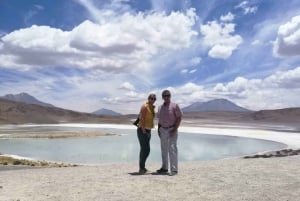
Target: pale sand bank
[284,134]
[273,179]
[57,134]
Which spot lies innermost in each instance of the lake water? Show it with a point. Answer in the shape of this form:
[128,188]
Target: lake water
[123,147]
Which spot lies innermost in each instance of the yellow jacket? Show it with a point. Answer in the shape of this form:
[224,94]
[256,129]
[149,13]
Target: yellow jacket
[147,115]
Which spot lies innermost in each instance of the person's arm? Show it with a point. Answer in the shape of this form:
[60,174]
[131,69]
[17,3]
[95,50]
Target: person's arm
[158,129]
[158,117]
[142,118]
[178,115]
[176,126]
[177,123]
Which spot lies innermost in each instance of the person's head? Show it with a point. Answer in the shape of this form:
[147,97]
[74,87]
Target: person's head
[151,98]
[166,95]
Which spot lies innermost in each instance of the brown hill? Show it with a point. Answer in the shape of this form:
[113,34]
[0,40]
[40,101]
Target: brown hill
[18,113]
[286,115]
[280,117]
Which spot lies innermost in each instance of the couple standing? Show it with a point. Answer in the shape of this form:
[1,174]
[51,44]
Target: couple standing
[169,118]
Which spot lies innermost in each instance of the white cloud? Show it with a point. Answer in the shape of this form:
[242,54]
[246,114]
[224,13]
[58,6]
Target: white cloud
[190,71]
[247,9]
[126,43]
[289,79]
[127,86]
[101,16]
[39,7]
[193,71]
[278,90]
[32,13]
[256,42]
[118,43]
[119,56]
[188,63]
[288,38]
[227,18]
[120,1]
[220,51]
[250,10]
[161,6]
[219,37]
[195,61]
[184,71]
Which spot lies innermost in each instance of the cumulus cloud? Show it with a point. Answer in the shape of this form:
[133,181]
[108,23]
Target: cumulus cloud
[287,42]
[220,38]
[278,90]
[289,79]
[127,86]
[227,18]
[266,93]
[125,43]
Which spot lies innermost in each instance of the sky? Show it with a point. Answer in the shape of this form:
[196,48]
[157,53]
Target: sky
[85,55]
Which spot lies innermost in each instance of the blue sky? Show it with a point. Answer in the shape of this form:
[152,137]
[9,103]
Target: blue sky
[86,54]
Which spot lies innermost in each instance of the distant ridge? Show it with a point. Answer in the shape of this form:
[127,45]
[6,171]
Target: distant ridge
[106,112]
[12,112]
[215,105]
[25,98]
[281,114]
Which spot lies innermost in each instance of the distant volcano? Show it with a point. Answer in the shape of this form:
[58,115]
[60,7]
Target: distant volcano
[106,112]
[25,98]
[215,105]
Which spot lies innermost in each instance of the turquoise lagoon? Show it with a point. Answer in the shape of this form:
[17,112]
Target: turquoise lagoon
[124,146]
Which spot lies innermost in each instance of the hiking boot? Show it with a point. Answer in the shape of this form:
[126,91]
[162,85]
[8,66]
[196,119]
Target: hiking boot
[162,171]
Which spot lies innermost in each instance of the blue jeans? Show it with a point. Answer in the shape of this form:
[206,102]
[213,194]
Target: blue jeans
[144,139]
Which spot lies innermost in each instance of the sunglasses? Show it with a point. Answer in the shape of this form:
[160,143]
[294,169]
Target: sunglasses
[166,95]
[152,99]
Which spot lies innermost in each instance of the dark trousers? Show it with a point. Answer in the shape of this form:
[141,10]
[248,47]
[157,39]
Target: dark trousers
[144,139]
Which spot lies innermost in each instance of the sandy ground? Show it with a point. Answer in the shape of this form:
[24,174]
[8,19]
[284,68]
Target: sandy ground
[268,179]
[273,179]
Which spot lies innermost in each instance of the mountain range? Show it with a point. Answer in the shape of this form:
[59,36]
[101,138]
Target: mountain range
[212,105]
[14,111]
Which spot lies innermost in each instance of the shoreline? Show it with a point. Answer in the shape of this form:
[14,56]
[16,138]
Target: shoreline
[289,137]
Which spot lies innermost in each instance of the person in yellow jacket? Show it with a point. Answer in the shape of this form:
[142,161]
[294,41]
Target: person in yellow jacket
[145,124]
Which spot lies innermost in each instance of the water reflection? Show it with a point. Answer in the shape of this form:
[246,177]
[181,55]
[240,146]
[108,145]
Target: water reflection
[125,147]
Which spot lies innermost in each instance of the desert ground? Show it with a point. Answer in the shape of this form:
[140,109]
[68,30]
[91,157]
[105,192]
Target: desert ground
[272,179]
[263,179]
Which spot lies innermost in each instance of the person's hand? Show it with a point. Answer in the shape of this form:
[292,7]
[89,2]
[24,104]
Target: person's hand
[172,132]
[158,130]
